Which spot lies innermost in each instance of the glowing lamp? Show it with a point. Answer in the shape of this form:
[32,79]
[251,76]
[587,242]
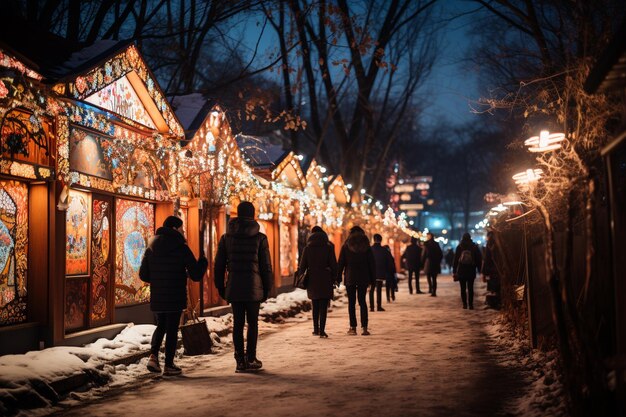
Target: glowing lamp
[527,177]
[546,141]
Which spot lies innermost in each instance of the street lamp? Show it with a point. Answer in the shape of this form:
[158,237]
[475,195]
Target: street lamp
[525,178]
[546,141]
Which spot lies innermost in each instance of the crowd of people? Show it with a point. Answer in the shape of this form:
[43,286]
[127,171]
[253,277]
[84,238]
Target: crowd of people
[243,277]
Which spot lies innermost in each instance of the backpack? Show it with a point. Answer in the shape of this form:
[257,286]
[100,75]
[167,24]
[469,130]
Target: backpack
[466,258]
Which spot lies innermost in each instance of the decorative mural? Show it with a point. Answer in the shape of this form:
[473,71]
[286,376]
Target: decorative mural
[100,259]
[77,234]
[134,226]
[13,251]
[75,303]
[117,67]
[120,97]
[91,154]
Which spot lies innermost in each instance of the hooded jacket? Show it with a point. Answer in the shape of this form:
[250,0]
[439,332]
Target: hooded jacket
[318,258]
[357,261]
[243,251]
[467,272]
[166,263]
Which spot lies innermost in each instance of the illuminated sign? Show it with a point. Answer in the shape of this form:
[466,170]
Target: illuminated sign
[411,207]
[405,188]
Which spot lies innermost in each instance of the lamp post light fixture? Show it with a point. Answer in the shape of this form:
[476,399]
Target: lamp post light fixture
[545,142]
[525,178]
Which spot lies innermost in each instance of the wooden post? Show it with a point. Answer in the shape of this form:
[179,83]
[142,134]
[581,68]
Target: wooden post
[201,244]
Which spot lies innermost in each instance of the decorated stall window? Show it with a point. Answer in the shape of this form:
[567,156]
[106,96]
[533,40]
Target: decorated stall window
[286,255]
[100,260]
[134,226]
[13,251]
[77,235]
[90,153]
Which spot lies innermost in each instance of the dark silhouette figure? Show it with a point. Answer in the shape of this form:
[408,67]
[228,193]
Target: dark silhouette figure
[449,258]
[490,272]
[467,260]
[166,264]
[431,259]
[356,263]
[384,268]
[391,284]
[243,251]
[412,258]
[318,258]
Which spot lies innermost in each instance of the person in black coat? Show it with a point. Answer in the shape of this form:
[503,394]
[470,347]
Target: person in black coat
[319,260]
[431,259]
[356,264]
[165,264]
[467,260]
[384,269]
[412,257]
[243,251]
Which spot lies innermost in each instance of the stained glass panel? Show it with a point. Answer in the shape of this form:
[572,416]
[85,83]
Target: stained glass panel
[75,303]
[13,251]
[120,97]
[90,153]
[134,226]
[77,234]
[100,260]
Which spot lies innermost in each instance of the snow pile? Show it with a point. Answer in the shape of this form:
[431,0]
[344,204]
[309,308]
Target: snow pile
[33,380]
[545,395]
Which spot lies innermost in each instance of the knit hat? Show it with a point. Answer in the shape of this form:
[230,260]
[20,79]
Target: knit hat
[245,209]
[317,229]
[173,222]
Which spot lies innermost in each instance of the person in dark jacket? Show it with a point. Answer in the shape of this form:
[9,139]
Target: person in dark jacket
[384,268]
[391,284]
[449,258]
[319,260]
[412,257]
[467,260]
[490,271]
[431,259]
[357,265]
[243,251]
[166,264]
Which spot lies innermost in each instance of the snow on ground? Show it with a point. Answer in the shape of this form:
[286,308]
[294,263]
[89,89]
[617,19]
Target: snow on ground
[426,357]
[545,395]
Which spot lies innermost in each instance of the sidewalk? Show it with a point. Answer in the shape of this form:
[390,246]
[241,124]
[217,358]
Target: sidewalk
[426,357]
[40,379]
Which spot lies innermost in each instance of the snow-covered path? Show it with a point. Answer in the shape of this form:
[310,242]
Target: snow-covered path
[426,357]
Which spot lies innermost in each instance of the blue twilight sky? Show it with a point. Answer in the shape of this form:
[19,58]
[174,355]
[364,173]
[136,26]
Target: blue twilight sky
[451,84]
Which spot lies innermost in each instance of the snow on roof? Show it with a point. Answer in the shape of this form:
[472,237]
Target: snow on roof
[89,56]
[187,107]
[261,150]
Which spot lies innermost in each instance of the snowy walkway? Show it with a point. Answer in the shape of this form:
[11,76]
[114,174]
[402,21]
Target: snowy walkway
[426,357]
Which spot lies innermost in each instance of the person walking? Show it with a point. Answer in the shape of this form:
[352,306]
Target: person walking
[449,258]
[357,266]
[243,251]
[384,268]
[467,260]
[165,265]
[391,284]
[412,258]
[490,272]
[318,259]
[431,259]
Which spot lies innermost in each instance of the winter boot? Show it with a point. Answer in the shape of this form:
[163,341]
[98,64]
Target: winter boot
[171,369]
[352,331]
[153,364]
[254,364]
[364,332]
[241,362]
[323,334]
